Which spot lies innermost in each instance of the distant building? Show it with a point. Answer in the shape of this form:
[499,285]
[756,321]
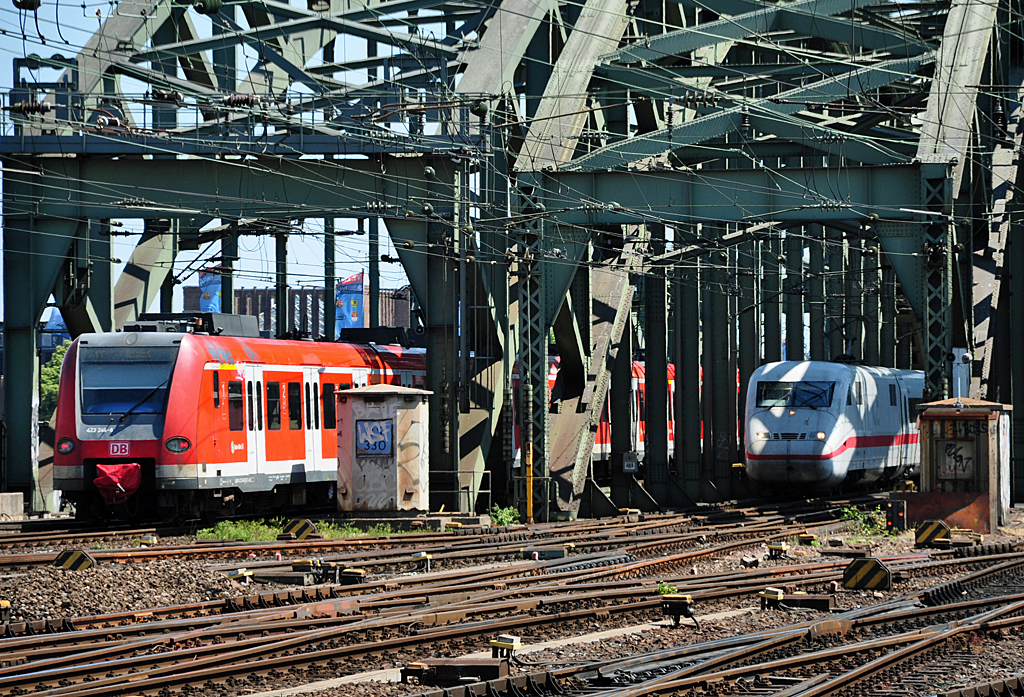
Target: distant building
[307,307]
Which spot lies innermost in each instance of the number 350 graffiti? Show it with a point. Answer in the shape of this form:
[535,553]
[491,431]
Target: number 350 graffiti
[373,437]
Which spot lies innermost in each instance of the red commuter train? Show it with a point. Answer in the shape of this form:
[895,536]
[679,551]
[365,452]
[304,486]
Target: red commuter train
[180,425]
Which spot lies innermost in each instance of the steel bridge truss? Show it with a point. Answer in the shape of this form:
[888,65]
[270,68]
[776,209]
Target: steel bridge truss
[656,179]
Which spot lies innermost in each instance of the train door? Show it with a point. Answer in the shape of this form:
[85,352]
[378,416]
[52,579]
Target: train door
[311,402]
[255,446]
[903,431]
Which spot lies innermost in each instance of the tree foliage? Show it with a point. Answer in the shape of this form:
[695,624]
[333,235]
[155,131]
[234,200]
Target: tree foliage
[49,383]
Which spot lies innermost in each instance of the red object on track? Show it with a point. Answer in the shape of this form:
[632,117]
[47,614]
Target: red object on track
[116,483]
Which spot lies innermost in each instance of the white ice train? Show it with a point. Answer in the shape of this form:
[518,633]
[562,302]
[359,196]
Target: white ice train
[816,424]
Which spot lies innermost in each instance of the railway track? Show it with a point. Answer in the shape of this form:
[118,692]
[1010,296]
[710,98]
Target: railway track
[479,587]
[340,626]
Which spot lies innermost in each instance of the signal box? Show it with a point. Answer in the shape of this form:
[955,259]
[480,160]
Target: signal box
[383,449]
[965,465]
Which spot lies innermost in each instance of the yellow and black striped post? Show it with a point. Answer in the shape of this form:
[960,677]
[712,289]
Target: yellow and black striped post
[75,560]
[929,531]
[867,574]
[300,528]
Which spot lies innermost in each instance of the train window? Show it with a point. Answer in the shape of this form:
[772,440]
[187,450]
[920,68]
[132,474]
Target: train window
[127,380]
[259,406]
[330,420]
[858,390]
[309,424]
[236,419]
[295,406]
[216,389]
[252,422]
[795,394]
[316,405]
[892,395]
[273,406]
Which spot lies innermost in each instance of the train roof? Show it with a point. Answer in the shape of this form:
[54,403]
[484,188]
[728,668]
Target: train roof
[822,370]
[229,349]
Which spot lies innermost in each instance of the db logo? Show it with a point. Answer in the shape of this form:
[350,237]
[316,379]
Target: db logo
[119,450]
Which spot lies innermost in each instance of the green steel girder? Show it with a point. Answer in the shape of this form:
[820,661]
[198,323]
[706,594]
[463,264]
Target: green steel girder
[730,119]
[494,61]
[692,196]
[337,24]
[85,298]
[274,188]
[763,20]
[36,247]
[561,116]
[943,149]
[665,80]
[832,141]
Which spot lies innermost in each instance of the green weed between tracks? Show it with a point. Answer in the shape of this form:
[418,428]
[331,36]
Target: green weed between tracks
[503,516]
[267,531]
[867,523]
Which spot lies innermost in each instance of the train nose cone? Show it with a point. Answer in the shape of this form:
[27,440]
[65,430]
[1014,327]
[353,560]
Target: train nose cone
[804,464]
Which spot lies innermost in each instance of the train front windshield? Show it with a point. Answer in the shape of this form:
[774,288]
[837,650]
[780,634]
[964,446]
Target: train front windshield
[125,379]
[795,394]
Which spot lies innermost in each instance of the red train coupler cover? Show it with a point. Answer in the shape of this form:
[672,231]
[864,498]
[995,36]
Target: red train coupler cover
[116,483]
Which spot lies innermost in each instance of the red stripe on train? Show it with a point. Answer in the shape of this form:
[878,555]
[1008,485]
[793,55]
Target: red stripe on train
[852,442]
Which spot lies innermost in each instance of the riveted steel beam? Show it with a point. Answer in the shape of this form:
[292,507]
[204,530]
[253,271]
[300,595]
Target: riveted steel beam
[947,128]
[726,120]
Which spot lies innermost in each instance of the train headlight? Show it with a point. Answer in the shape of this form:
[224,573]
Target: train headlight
[177,445]
[763,435]
[820,435]
[65,446]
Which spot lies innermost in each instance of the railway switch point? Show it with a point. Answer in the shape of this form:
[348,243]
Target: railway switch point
[544,553]
[677,606]
[449,672]
[821,603]
[351,576]
[422,558]
[777,550]
[240,575]
[148,540]
[505,645]
[74,560]
[771,597]
[807,539]
[5,611]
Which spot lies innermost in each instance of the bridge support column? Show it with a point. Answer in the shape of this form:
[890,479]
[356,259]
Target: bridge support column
[794,294]
[282,311]
[835,308]
[330,299]
[688,366]
[771,298]
[816,292]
